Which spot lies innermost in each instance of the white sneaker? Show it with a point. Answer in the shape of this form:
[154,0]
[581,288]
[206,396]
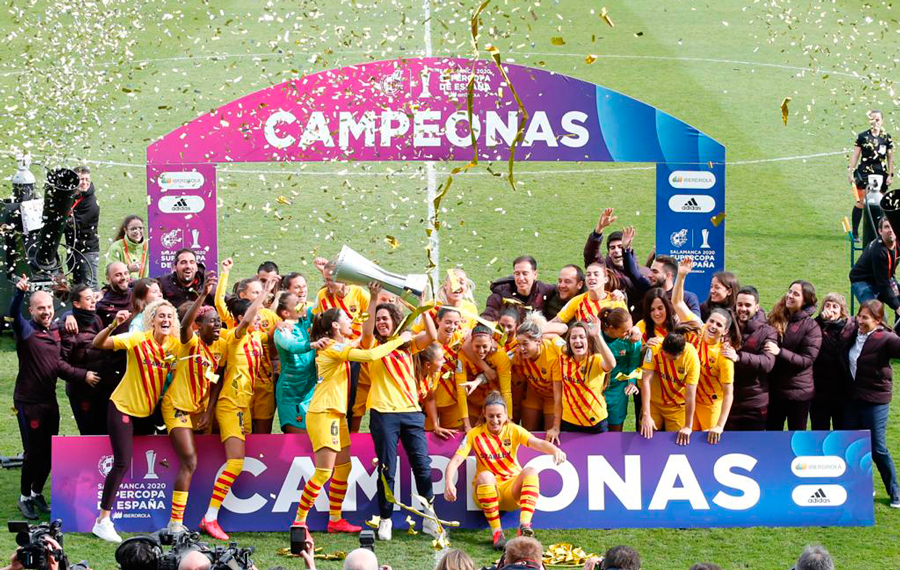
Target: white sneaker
[384,529]
[105,530]
[176,527]
[430,528]
[895,504]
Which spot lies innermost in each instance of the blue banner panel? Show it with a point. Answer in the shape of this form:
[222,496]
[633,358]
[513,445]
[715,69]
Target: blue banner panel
[690,218]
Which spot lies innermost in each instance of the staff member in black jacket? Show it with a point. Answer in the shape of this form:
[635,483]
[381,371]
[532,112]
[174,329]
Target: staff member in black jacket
[89,398]
[38,350]
[870,346]
[752,364]
[81,231]
[873,275]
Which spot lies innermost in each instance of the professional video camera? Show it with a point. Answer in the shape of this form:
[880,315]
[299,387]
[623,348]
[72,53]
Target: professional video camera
[31,228]
[229,557]
[35,550]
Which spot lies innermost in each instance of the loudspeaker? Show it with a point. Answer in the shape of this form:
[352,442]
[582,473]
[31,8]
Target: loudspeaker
[353,268]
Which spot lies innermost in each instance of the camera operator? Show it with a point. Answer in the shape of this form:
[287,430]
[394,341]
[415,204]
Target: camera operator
[40,547]
[523,553]
[186,552]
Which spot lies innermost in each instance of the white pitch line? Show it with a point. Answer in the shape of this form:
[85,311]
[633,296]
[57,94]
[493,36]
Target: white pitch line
[434,239]
[413,174]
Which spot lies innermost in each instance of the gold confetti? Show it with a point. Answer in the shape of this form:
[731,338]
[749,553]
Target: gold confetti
[283,200]
[392,241]
[566,555]
[373,522]
[558,41]
[412,526]
[318,554]
[718,219]
[605,15]
[591,58]
[784,110]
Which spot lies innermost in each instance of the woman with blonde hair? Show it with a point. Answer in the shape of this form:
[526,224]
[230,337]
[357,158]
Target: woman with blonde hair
[455,559]
[151,358]
[827,406]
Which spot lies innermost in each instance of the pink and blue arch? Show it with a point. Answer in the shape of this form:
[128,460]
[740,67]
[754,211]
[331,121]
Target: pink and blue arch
[415,109]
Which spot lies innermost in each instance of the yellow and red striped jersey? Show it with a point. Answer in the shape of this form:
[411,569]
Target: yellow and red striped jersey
[466,322]
[582,306]
[715,371]
[582,383]
[394,387]
[196,362]
[354,303]
[145,374]
[497,454]
[658,331]
[539,372]
[332,391]
[245,356]
[466,371]
[445,383]
[671,376]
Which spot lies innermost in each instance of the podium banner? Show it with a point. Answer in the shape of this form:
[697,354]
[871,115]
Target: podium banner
[609,481]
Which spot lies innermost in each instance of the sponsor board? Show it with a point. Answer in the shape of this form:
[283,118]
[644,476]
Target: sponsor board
[692,180]
[692,203]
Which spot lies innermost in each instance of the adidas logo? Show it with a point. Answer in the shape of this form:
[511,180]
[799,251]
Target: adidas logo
[819,497]
[691,205]
[181,205]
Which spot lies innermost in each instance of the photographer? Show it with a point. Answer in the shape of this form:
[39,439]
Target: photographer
[186,552]
[40,547]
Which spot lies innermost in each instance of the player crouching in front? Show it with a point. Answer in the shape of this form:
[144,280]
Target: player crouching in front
[500,482]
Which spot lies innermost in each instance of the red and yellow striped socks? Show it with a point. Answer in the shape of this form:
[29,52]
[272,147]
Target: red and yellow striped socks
[310,492]
[528,498]
[337,490]
[490,504]
[179,502]
[233,468]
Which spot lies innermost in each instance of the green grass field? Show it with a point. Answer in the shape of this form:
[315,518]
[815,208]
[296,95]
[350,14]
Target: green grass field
[98,83]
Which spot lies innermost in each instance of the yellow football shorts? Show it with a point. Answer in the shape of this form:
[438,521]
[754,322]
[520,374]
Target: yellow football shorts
[233,421]
[328,429]
[667,418]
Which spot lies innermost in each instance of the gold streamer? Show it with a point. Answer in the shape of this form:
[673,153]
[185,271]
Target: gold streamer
[410,318]
[318,554]
[784,110]
[523,117]
[470,84]
[389,496]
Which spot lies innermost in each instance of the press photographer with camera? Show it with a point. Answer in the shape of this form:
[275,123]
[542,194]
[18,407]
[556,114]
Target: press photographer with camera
[186,552]
[40,547]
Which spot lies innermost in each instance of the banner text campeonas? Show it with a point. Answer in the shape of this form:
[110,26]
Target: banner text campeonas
[609,481]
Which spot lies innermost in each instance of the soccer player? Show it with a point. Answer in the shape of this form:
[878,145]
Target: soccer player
[587,305]
[500,483]
[872,163]
[297,378]
[471,401]
[616,327]
[535,359]
[326,421]
[184,406]
[583,374]
[444,394]
[262,406]
[231,398]
[151,357]
[354,301]
[429,366]
[395,414]
[669,387]
[455,292]
[715,391]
